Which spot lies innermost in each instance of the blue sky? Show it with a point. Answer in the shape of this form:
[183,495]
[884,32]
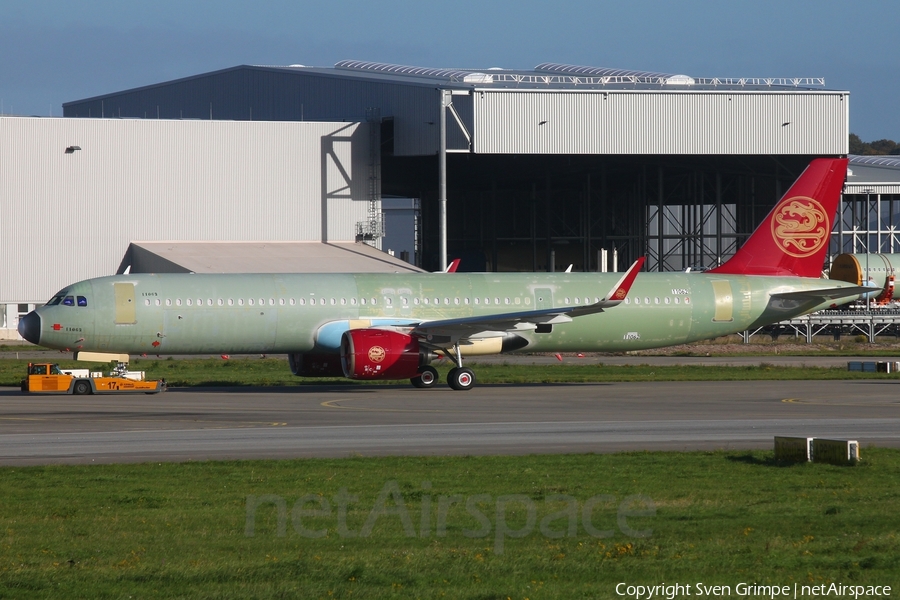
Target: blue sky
[54,51]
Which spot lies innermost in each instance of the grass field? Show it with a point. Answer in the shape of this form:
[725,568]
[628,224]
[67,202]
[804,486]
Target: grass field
[275,371]
[562,526]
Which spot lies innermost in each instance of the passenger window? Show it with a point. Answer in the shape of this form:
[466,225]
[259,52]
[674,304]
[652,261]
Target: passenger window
[292,301]
[69,301]
[168,302]
[146,301]
[82,301]
[302,301]
[178,302]
[189,302]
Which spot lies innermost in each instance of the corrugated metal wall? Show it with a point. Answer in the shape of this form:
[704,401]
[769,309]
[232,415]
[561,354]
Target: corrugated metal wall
[636,122]
[70,216]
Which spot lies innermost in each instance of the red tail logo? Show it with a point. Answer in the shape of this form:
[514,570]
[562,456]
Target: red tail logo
[793,240]
[800,226]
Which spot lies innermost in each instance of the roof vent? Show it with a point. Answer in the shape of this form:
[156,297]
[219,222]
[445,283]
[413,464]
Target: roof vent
[679,80]
[478,78]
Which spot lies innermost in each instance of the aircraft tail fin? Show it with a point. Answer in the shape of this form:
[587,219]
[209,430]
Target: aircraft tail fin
[793,239]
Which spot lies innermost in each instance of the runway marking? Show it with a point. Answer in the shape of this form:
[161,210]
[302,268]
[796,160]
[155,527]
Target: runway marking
[825,403]
[334,404]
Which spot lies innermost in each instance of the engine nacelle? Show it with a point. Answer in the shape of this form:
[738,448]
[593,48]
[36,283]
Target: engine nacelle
[379,354]
[316,365]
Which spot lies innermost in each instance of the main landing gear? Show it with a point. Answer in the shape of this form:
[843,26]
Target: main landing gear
[459,377]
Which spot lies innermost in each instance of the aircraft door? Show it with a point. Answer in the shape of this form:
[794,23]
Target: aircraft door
[125,305]
[543,298]
[724,301]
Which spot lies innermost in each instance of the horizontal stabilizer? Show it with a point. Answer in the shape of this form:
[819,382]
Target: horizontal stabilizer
[823,295]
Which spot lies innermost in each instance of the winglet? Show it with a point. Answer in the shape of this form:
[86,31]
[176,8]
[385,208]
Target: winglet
[793,239]
[451,268]
[620,290]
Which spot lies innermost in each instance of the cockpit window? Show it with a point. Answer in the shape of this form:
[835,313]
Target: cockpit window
[55,300]
[82,301]
[69,301]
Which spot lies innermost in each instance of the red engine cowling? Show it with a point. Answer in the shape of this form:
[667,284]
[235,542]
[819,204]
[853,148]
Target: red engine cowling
[379,354]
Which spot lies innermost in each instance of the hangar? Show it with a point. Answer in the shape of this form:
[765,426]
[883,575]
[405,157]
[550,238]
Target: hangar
[82,198]
[509,169]
[539,169]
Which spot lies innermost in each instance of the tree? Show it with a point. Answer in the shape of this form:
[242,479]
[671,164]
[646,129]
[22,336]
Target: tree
[878,147]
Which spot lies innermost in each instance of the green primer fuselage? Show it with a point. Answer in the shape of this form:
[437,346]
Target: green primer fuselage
[286,313]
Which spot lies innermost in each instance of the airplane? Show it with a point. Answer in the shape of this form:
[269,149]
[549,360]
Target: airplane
[392,326]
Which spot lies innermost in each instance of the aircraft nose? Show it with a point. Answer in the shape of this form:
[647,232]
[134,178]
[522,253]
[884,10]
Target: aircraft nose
[30,327]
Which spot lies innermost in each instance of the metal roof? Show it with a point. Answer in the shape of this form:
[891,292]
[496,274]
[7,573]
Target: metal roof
[555,75]
[545,76]
[261,257]
[873,174]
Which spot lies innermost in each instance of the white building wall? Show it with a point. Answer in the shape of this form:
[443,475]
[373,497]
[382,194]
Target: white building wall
[65,217]
[661,122]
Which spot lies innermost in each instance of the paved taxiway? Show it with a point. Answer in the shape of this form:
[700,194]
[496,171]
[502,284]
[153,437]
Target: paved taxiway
[342,420]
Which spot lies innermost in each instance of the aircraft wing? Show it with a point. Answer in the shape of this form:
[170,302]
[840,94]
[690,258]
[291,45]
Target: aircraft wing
[464,327]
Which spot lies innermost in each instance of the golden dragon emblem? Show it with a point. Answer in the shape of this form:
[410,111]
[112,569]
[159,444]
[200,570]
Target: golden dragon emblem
[800,226]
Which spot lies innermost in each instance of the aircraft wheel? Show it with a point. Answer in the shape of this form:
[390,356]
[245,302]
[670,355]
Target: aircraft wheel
[461,379]
[81,388]
[427,377]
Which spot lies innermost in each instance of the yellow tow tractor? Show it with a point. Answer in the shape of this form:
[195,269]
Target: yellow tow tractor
[49,378]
